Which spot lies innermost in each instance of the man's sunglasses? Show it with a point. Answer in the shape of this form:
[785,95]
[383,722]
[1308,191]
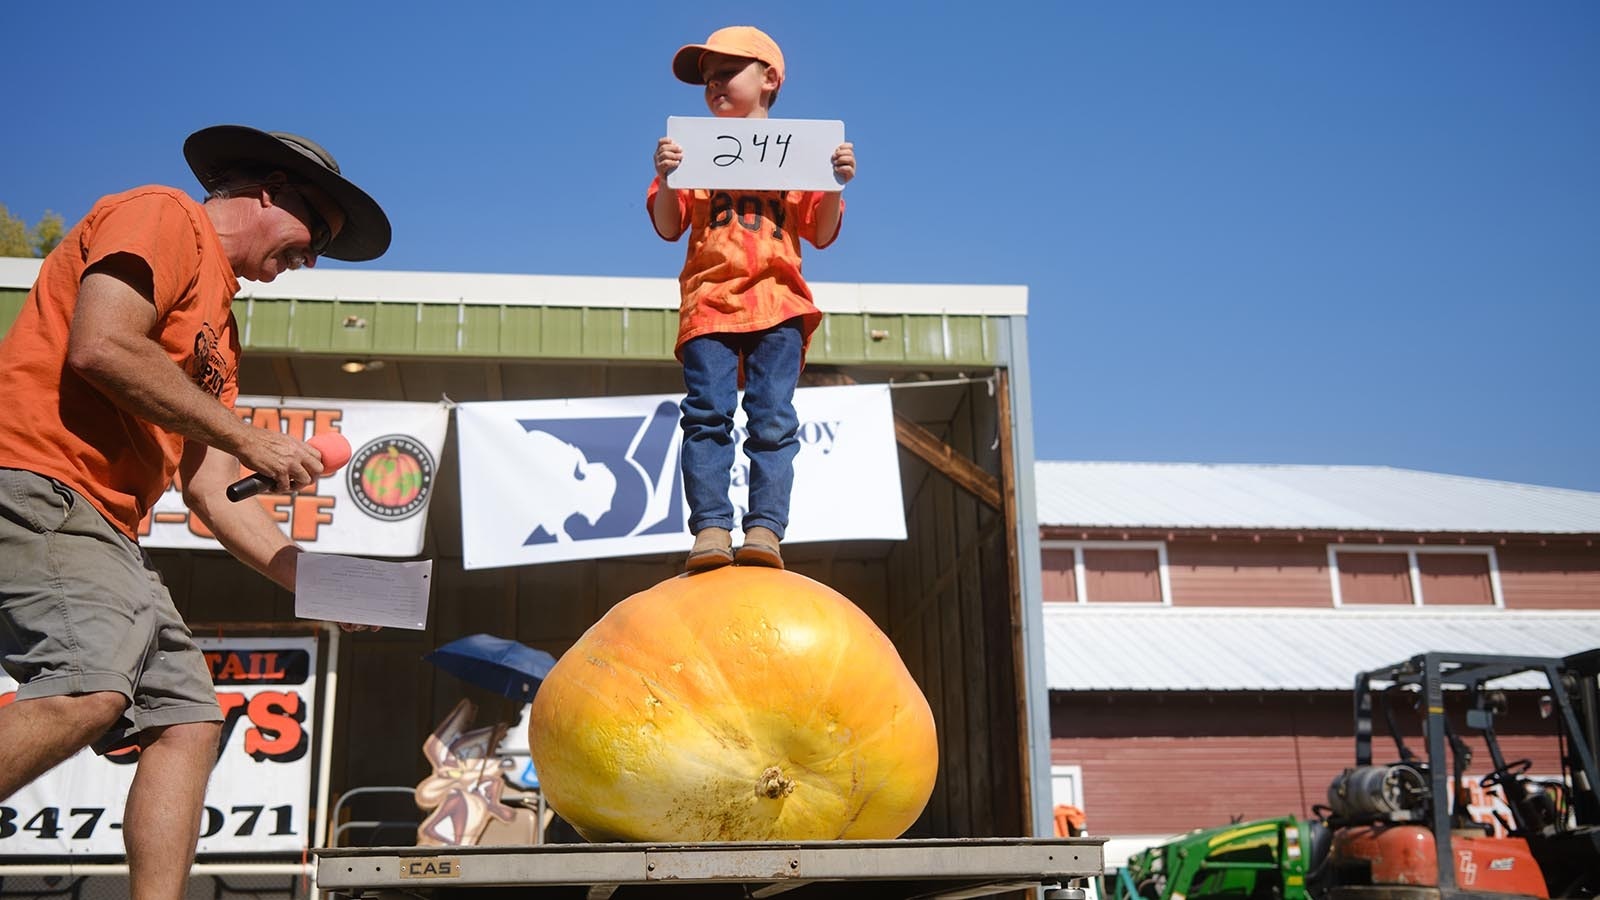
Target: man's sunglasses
[321,234]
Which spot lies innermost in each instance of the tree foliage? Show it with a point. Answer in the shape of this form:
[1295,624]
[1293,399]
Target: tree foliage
[17,239]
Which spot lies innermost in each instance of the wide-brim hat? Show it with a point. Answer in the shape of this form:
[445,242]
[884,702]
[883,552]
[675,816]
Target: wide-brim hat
[214,152]
[736,40]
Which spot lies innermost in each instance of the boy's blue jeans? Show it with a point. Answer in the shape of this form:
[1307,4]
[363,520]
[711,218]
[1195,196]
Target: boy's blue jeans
[711,379]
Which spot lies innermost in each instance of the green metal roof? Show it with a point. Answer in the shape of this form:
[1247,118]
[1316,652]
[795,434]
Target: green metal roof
[548,318]
[488,332]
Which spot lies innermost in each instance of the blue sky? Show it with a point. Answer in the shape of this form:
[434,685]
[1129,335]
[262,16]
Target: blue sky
[1341,233]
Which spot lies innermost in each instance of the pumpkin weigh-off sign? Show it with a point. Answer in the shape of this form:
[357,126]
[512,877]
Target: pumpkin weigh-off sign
[738,704]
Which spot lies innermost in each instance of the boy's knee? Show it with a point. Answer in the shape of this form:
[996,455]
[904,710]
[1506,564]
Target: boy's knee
[772,434]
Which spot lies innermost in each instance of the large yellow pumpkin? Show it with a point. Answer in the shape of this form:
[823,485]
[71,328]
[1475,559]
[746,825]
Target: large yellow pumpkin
[739,704]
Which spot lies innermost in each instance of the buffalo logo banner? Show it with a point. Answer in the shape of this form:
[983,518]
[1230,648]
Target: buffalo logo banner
[375,506]
[259,796]
[554,480]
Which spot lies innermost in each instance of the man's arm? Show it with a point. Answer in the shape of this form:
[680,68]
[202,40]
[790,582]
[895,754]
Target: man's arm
[111,348]
[245,529]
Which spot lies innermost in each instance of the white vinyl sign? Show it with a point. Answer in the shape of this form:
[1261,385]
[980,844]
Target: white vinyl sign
[376,505]
[755,154]
[554,480]
[259,797]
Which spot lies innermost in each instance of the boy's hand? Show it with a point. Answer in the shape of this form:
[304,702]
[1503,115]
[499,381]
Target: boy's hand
[669,156]
[844,162]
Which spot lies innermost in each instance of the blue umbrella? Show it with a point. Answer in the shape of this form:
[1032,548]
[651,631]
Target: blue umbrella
[508,668]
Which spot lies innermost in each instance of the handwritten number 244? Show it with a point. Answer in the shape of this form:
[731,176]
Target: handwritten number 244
[759,142]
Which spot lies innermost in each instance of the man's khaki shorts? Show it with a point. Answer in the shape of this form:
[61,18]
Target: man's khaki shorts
[82,610]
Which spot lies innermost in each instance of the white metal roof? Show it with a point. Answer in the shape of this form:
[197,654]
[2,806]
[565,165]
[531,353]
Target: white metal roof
[472,288]
[1354,498]
[1090,648]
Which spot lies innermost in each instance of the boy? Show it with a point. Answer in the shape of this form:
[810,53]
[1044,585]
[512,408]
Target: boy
[746,313]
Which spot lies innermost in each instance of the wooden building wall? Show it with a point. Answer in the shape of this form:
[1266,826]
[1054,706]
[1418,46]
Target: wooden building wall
[950,617]
[1164,763]
[1550,577]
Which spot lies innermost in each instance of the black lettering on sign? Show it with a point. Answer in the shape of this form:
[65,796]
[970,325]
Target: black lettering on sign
[724,160]
[431,867]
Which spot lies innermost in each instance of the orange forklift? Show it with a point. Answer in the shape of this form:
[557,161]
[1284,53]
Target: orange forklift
[1402,831]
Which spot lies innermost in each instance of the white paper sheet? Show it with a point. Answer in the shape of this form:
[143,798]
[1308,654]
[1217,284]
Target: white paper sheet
[755,154]
[362,591]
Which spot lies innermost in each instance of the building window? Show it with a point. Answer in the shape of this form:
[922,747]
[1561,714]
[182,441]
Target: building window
[1461,579]
[1375,578]
[1106,572]
[1060,574]
[1379,575]
[1066,785]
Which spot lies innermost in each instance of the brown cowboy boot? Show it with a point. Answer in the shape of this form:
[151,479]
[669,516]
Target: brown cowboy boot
[760,548]
[713,548]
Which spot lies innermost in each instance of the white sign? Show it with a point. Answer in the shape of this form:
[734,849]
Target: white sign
[756,154]
[362,591]
[377,505]
[259,797]
[553,480]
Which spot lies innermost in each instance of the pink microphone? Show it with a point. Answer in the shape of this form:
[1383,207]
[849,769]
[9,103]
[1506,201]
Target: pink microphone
[335,452]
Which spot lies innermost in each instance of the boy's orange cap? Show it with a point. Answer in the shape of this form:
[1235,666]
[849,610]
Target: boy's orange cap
[735,40]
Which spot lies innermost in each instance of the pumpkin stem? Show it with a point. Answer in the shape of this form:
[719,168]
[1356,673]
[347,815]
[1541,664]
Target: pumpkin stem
[774,784]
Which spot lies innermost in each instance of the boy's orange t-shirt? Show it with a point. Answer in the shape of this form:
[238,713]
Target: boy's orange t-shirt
[56,423]
[742,271]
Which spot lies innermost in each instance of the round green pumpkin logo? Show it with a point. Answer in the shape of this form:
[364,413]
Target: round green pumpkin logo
[390,477]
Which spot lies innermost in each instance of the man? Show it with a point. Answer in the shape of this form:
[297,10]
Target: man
[121,371]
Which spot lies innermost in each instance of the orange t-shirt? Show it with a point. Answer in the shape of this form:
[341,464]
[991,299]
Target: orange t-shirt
[742,272]
[56,423]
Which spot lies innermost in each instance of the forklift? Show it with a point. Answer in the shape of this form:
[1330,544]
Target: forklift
[1402,831]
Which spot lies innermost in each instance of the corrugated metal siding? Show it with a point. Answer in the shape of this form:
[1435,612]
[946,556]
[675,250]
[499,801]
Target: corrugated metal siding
[488,316]
[10,304]
[1355,498]
[1089,648]
[530,332]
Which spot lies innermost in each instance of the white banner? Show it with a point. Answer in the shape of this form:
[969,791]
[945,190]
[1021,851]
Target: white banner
[553,480]
[377,505]
[259,797]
